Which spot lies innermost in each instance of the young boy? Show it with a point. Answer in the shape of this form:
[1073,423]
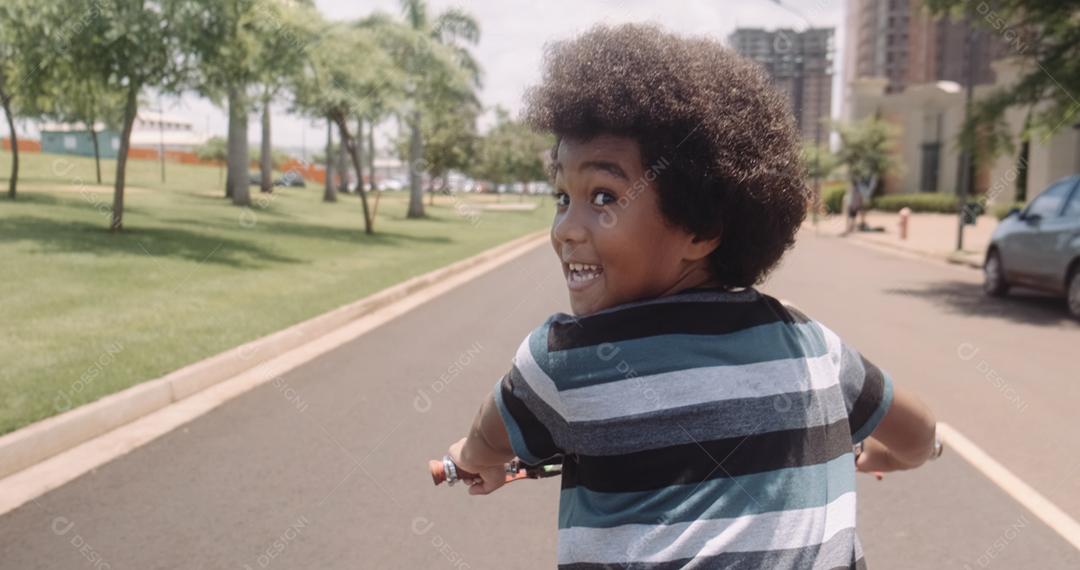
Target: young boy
[701,423]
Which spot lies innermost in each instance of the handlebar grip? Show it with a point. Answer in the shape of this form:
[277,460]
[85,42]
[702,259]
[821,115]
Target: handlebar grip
[439,475]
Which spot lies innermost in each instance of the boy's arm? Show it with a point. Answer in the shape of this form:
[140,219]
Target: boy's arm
[905,437]
[485,450]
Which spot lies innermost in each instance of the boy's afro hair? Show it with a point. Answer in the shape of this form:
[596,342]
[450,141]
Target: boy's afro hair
[719,139]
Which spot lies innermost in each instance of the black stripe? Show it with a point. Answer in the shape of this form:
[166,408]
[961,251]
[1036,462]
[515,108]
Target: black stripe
[796,315]
[793,558]
[695,462]
[537,438]
[690,317]
[873,389]
[784,411]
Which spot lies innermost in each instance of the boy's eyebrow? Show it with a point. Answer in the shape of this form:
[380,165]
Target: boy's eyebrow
[605,165]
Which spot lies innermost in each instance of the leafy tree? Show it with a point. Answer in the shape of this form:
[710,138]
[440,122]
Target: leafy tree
[820,162]
[1046,37]
[221,48]
[345,68]
[432,51]
[283,31]
[87,101]
[864,150]
[511,152]
[126,45]
[18,27]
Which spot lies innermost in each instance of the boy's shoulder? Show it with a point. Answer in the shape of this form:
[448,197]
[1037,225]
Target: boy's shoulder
[697,311]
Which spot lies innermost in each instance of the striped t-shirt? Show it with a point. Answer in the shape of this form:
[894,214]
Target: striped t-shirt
[704,429]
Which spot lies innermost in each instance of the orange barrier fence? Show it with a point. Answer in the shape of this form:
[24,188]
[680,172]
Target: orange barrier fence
[24,145]
[308,170]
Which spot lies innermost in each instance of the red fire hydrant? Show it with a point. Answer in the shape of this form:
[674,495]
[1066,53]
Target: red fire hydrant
[905,213]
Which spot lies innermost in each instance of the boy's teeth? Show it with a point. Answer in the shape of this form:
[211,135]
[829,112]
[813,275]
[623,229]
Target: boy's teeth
[583,272]
[583,267]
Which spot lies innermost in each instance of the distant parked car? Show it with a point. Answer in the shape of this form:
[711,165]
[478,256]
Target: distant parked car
[291,178]
[1039,246]
[392,184]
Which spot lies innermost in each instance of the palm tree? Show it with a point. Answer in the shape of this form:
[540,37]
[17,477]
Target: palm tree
[452,30]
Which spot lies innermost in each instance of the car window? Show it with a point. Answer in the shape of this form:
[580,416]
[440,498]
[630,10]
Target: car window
[1072,210]
[1048,204]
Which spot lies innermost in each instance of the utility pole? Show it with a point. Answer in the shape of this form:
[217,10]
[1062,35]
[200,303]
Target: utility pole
[967,160]
[161,137]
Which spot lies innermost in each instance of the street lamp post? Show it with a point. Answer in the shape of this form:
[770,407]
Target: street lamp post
[967,162]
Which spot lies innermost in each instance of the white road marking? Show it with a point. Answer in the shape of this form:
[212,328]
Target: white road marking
[1021,492]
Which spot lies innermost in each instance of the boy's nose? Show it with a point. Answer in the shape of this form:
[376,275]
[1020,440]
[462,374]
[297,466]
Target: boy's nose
[569,227]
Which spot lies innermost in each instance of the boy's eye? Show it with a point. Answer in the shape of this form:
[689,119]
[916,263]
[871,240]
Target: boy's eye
[598,198]
[562,199]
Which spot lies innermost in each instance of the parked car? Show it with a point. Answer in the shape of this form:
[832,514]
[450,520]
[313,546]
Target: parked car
[291,178]
[392,184]
[1039,246]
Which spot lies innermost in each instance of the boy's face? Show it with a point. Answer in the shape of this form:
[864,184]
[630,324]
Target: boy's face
[608,217]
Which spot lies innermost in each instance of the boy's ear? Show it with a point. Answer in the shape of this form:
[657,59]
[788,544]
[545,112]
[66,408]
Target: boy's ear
[699,248]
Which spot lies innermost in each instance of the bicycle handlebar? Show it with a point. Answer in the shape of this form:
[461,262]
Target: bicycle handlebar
[446,470]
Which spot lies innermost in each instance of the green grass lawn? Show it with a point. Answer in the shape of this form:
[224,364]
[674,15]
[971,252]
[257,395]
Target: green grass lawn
[87,313]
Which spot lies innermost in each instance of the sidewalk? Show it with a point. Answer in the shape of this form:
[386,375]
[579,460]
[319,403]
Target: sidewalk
[931,235]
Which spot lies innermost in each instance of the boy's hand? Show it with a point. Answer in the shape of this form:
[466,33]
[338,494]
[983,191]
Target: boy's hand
[489,478]
[876,458]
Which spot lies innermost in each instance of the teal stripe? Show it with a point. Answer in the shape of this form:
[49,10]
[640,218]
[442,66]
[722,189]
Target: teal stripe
[611,362]
[517,439]
[783,489]
[872,423]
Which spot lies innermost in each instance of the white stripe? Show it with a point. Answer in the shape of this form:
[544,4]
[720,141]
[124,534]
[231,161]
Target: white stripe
[536,378]
[641,394]
[750,533]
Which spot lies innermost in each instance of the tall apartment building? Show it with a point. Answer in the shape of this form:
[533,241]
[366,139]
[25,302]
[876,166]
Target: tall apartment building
[900,41]
[800,64]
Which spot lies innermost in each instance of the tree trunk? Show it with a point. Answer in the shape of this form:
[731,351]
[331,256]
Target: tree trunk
[416,155]
[343,172]
[13,181]
[371,156]
[97,151]
[130,110]
[238,157]
[329,192]
[359,142]
[266,163]
[371,173]
[349,144]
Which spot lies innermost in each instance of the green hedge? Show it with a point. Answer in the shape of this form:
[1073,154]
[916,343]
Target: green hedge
[834,199]
[922,202]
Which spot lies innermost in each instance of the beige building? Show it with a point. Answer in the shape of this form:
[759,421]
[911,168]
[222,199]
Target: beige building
[928,117]
[800,66]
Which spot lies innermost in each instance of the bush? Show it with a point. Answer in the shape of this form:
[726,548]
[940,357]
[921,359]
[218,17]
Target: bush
[1002,210]
[922,202]
[833,198]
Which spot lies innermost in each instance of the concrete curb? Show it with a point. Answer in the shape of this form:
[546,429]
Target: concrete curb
[950,258]
[48,437]
[868,241]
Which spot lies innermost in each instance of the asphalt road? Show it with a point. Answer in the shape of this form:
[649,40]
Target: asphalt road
[326,468]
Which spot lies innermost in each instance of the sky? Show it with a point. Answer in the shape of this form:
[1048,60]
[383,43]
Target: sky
[513,34]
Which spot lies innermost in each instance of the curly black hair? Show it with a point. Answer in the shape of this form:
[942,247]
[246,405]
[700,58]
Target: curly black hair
[725,138]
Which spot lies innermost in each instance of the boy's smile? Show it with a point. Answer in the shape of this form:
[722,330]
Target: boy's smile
[614,243]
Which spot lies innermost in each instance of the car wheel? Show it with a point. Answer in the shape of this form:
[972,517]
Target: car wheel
[1074,293]
[994,283]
